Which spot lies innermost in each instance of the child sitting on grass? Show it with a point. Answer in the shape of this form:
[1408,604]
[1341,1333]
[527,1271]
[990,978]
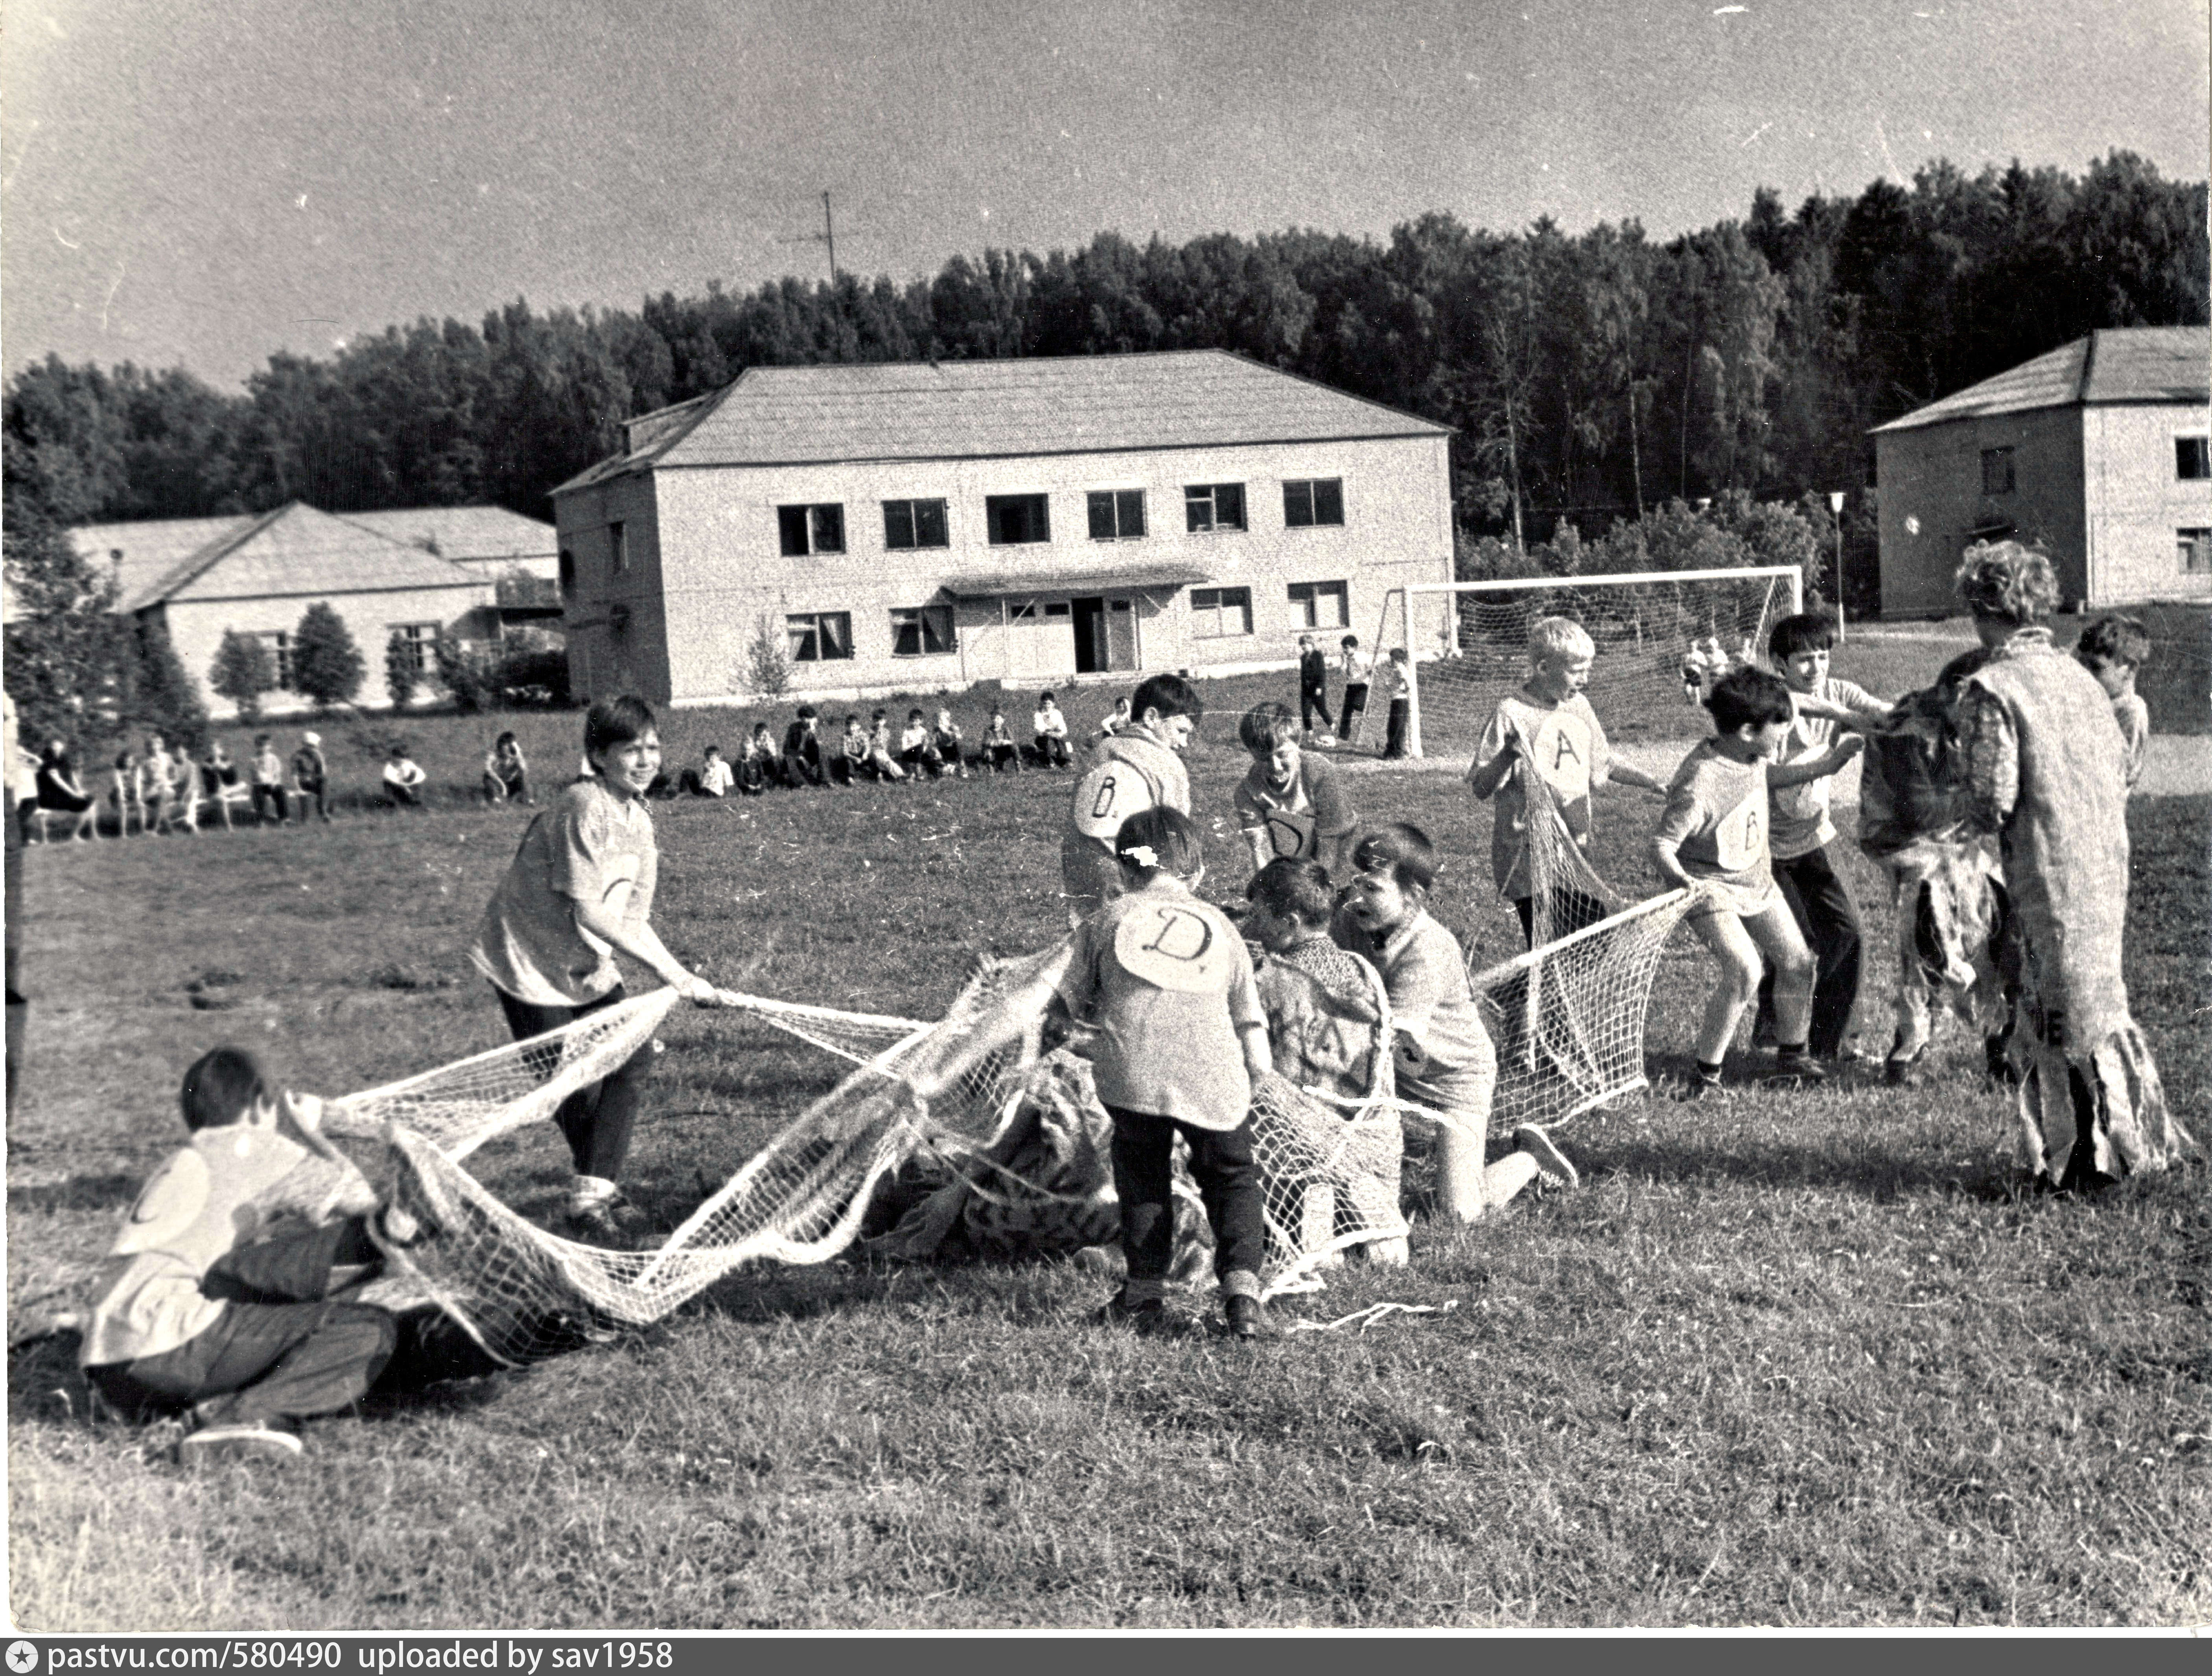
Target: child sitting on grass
[402,779]
[712,778]
[883,759]
[1712,840]
[1549,727]
[1800,831]
[1325,1032]
[2113,648]
[246,1338]
[1139,769]
[945,737]
[851,761]
[917,750]
[1168,984]
[1445,1060]
[505,776]
[998,751]
[1119,720]
[1291,804]
[759,766]
[1049,727]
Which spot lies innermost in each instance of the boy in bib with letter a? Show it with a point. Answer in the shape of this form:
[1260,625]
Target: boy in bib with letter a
[1138,768]
[1166,982]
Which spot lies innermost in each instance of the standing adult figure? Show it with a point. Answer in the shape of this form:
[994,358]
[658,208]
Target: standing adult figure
[579,892]
[2045,769]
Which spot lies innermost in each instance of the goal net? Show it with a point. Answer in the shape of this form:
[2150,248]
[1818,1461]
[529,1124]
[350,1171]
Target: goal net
[1660,636]
[1568,1015]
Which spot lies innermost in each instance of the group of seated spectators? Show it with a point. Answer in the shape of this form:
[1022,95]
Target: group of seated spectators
[166,790]
[871,750]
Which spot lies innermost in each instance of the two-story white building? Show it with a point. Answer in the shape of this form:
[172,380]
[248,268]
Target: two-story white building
[2098,451]
[927,526]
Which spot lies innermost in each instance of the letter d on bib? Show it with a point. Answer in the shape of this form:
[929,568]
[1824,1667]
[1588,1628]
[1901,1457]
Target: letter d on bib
[1177,946]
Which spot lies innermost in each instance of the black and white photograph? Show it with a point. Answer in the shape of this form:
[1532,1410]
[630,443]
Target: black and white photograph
[1103,819]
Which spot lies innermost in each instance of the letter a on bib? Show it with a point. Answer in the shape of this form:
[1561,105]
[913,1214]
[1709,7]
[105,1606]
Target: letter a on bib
[1181,945]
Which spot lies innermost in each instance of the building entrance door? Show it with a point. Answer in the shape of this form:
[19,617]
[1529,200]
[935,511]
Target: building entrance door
[1105,635]
[1040,641]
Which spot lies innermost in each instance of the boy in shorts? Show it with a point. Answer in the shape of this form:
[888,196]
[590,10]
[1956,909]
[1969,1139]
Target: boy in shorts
[1712,840]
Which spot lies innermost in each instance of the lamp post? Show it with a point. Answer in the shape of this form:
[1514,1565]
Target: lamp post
[1836,505]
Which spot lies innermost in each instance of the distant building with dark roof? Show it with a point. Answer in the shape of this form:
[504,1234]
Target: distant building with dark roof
[2097,451]
[932,525]
[203,577]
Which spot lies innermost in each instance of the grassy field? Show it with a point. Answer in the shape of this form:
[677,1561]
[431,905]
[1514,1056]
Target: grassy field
[1806,1359]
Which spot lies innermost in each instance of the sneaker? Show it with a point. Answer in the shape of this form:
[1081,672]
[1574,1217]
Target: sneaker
[1553,1166]
[1246,1315]
[1699,1087]
[1794,1069]
[237,1441]
[1326,740]
[1901,1073]
[1144,1314]
[614,1218]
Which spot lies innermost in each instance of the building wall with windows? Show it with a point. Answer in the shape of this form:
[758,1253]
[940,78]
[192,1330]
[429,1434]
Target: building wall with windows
[940,573]
[1944,487]
[2147,499]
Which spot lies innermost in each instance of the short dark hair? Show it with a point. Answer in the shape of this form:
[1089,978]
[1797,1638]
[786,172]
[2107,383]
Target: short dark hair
[2114,638]
[1171,835]
[1748,697]
[223,1085]
[1296,887]
[1266,727]
[261,739]
[1808,631]
[1045,695]
[806,712]
[1349,640]
[616,722]
[1170,694]
[1402,850]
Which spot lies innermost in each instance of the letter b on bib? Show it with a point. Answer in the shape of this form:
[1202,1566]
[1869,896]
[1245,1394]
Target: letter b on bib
[1107,796]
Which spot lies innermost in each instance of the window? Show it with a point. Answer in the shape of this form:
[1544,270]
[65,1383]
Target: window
[2194,549]
[915,524]
[420,640]
[1213,506]
[2192,458]
[1117,515]
[1217,613]
[567,573]
[1016,518]
[1997,471]
[923,631]
[804,530]
[819,636]
[1311,501]
[279,643]
[1320,605]
[618,545]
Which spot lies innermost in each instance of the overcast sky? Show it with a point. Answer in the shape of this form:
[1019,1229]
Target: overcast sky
[208,183]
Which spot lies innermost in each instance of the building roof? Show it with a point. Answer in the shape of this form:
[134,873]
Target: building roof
[293,552]
[1125,573]
[995,409]
[466,535]
[2129,364]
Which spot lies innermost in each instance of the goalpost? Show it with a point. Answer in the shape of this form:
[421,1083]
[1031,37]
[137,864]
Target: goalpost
[1467,642]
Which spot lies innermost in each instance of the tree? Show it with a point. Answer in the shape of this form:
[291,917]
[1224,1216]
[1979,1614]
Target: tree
[768,661]
[326,666]
[400,674]
[244,669]
[159,695]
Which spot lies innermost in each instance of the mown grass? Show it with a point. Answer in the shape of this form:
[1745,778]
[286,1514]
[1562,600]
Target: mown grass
[1792,1360]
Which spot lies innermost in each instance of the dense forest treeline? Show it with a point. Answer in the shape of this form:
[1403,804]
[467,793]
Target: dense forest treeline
[1589,375]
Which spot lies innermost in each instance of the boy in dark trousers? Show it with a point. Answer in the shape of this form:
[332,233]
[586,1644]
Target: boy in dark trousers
[1313,689]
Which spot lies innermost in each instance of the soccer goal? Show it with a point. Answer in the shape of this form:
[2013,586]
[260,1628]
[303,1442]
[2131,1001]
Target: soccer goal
[1659,633]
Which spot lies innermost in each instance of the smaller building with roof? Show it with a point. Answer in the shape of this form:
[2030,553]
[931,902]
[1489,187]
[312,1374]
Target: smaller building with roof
[2098,451]
[930,525]
[203,577]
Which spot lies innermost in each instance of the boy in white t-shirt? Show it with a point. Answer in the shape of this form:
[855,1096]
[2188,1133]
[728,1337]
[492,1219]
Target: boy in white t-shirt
[1049,727]
[1549,726]
[1712,839]
[1801,830]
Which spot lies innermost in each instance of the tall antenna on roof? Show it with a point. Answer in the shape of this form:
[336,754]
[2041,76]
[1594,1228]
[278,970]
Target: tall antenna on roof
[827,236]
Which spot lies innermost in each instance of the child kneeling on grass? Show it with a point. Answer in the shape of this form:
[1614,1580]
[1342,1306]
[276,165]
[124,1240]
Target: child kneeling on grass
[1291,804]
[1168,984]
[247,1338]
[1445,1060]
[1712,840]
